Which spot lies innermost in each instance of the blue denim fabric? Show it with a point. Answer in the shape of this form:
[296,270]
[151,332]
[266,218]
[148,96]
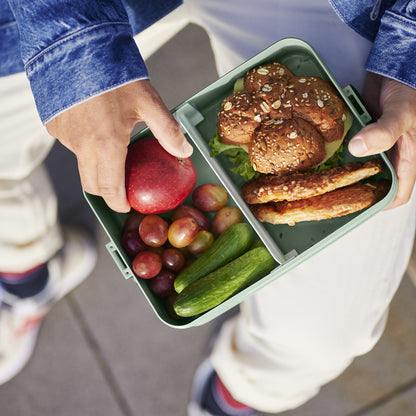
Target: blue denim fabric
[75,49]
[10,61]
[394,50]
[391,25]
[362,16]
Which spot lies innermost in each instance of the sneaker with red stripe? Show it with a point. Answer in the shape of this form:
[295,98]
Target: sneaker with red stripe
[209,396]
[20,319]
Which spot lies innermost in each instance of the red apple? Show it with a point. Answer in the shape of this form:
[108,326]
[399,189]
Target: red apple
[156,181]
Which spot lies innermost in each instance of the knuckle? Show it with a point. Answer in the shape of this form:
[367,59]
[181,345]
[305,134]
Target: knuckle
[108,191]
[174,129]
[89,188]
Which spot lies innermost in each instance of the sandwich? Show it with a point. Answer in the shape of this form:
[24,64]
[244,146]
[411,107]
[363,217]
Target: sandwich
[285,134]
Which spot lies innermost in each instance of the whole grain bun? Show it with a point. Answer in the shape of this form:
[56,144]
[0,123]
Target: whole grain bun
[280,146]
[237,119]
[242,112]
[263,76]
[317,102]
[270,103]
[273,92]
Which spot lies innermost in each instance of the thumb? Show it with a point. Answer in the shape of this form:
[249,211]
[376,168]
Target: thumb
[397,118]
[377,137]
[162,123]
[168,132]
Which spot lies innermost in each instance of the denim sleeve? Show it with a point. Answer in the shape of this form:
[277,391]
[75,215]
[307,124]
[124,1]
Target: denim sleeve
[75,49]
[394,50]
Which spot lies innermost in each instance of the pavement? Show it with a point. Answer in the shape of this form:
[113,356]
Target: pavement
[102,350]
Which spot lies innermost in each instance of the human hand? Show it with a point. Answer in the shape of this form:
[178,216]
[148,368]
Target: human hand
[394,132]
[98,132]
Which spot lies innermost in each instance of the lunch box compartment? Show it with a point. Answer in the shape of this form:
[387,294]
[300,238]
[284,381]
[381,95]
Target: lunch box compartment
[289,245]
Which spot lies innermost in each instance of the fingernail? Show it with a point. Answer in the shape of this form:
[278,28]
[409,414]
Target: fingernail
[187,149]
[357,146]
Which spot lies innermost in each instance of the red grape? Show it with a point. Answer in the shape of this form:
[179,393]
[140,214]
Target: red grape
[182,232]
[147,264]
[153,230]
[162,284]
[201,243]
[173,259]
[226,217]
[133,221]
[209,197]
[190,211]
[132,243]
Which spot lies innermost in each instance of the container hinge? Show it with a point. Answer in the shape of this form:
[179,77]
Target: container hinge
[291,255]
[190,113]
[356,105]
[124,269]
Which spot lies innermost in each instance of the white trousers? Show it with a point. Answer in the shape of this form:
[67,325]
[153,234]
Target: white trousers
[29,233]
[304,329]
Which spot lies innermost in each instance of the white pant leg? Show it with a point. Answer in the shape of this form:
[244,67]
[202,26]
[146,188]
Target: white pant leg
[29,234]
[305,329]
[155,36]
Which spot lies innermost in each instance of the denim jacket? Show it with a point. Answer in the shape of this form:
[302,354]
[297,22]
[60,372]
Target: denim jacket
[75,49]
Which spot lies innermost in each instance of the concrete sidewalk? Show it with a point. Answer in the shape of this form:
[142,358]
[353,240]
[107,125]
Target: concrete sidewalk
[102,351]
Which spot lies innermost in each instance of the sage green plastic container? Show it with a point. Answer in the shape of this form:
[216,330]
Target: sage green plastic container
[289,245]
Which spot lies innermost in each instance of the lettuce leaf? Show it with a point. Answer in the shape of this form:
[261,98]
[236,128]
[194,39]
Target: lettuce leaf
[332,162]
[237,155]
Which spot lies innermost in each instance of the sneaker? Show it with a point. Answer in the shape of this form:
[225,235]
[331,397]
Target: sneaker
[202,388]
[20,319]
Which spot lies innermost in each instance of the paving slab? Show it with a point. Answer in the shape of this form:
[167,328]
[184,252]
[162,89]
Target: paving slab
[401,405]
[63,377]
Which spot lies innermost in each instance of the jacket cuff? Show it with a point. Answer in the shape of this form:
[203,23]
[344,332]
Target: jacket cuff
[394,49]
[85,64]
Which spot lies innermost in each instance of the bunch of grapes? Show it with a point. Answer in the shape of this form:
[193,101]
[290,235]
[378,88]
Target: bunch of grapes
[162,245]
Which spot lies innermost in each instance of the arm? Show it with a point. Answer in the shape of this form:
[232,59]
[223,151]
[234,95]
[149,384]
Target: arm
[392,96]
[91,87]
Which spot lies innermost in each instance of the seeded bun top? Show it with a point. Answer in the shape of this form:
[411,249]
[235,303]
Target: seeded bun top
[267,75]
[237,119]
[317,102]
[286,145]
[272,92]
[243,112]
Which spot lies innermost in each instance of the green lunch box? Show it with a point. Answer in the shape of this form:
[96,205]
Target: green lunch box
[289,245]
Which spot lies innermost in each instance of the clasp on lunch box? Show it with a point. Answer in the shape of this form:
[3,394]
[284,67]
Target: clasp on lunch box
[356,102]
[125,271]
